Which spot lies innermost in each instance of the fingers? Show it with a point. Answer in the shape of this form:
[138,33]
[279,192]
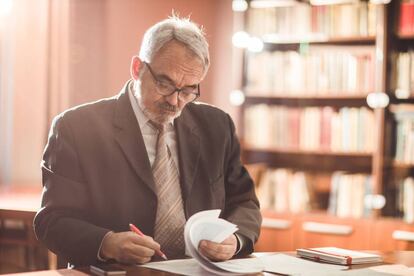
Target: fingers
[132,254]
[219,251]
[145,241]
[130,248]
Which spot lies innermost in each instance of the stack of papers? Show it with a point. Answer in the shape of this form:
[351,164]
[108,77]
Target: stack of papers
[207,225]
[338,255]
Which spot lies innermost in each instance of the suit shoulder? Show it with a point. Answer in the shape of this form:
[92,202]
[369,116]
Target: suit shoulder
[88,110]
[207,115]
[207,108]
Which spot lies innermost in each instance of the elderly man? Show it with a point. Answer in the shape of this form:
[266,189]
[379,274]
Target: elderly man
[149,156]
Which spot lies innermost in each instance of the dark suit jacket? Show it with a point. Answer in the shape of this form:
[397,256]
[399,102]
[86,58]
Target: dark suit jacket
[97,176]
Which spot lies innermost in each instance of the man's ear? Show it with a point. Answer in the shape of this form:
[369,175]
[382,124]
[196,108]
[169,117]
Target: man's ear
[136,66]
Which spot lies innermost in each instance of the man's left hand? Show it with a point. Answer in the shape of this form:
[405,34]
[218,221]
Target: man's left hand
[219,251]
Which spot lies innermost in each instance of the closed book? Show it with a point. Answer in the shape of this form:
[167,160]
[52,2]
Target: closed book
[338,255]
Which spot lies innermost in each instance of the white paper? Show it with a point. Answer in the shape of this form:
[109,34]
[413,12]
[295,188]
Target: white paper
[191,267]
[396,269]
[290,265]
[182,267]
[207,225]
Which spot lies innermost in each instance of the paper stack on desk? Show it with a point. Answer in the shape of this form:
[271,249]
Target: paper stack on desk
[207,225]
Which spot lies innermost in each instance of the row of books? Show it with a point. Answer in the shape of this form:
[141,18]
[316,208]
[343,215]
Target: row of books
[405,200]
[347,195]
[283,190]
[404,74]
[310,128]
[323,70]
[347,20]
[406,22]
[404,117]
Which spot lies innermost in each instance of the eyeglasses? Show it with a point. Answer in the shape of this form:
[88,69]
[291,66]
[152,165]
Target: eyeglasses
[164,88]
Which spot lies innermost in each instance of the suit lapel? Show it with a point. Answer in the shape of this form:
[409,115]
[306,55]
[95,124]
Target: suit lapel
[129,137]
[188,141]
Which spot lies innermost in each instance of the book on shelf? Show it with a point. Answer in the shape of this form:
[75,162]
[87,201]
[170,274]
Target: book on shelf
[283,190]
[309,128]
[404,74]
[289,191]
[404,116]
[405,199]
[338,255]
[347,195]
[321,70]
[352,20]
[406,22]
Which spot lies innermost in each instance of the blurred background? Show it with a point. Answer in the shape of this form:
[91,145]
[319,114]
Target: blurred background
[321,92]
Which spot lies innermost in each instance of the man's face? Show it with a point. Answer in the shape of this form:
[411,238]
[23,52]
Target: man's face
[176,66]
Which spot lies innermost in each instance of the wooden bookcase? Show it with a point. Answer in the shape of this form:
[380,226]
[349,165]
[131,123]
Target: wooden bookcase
[378,229]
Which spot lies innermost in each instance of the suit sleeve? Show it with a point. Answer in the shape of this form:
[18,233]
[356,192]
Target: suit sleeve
[242,207]
[62,222]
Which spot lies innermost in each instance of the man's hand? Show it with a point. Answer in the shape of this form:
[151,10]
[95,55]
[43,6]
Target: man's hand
[128,247]
[219,251]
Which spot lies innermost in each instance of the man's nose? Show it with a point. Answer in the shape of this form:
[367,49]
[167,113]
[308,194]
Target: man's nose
[173,98]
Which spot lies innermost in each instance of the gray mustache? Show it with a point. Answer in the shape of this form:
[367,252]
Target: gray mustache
[168,107]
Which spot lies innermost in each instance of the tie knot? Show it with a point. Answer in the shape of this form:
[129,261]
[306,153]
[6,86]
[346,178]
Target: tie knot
[159,127]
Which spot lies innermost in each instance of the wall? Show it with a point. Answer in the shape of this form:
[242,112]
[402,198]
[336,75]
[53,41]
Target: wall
[127,21]
[24,81]
[68,52]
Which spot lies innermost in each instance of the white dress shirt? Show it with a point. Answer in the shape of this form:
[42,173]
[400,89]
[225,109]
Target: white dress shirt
[149,133]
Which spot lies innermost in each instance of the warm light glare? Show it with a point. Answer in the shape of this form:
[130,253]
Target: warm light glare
[255,45]
[263,4]
[5,6]
[237,97]
[239,5]
[241,39]
[374,202]
[332,2]
[380,1]
[378,100]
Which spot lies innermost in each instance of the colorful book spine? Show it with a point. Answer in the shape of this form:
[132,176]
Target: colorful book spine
[310,128]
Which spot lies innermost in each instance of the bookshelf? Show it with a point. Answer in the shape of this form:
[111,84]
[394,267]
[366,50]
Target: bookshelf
[306,119]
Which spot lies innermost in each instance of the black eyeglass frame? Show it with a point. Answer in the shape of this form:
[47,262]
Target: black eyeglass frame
[178,90]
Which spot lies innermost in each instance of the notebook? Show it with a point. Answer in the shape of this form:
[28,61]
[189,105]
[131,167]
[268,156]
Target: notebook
[338,255]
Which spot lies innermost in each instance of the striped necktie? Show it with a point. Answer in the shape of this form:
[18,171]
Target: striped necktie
[170,218]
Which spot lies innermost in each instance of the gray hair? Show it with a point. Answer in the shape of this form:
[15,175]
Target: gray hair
[180,29]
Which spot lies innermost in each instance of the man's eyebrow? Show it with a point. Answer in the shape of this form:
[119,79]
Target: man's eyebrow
[164,77]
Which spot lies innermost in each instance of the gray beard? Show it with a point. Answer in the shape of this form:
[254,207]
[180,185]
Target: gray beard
[160,119]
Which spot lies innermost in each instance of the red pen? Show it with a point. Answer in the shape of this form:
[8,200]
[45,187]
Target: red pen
[137,231]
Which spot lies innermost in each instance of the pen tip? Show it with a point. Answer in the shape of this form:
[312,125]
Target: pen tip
[164,257]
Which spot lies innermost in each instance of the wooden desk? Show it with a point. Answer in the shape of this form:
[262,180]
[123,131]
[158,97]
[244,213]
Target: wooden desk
[18,207]
[399,257]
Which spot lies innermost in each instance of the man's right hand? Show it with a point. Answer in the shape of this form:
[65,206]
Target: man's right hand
[128,248]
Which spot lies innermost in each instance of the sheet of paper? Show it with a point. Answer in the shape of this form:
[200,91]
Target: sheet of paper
[290,265]
[207,225]
[242,266]
[192,267]
[188,267]
[396,269]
